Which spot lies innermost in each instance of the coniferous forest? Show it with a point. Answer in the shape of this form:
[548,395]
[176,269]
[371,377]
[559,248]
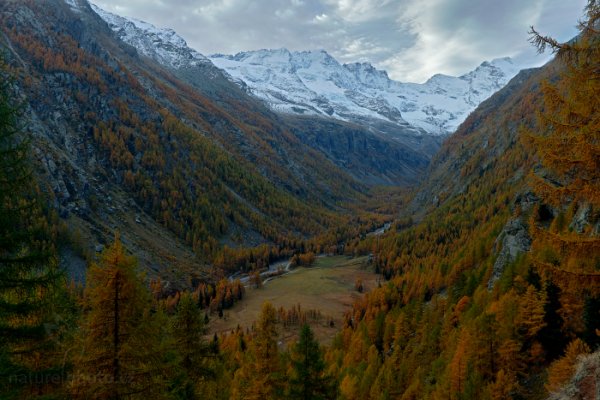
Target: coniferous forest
[490,292]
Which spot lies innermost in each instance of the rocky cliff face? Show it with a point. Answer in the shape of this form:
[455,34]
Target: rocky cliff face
[374,158]
[514,239]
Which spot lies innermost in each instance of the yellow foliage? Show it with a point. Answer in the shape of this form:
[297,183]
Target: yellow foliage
[562,369]
[504,386]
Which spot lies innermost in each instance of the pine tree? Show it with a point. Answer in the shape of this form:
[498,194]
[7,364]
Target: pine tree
[29,279]
[307,378]
[550,335]
[121,345]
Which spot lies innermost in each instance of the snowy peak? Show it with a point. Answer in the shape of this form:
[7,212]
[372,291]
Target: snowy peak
[163,45]
[313,58]
[492,72]
[313,82]
[260,56]
[284,60]
[368,75]
[489,76]
[306,82]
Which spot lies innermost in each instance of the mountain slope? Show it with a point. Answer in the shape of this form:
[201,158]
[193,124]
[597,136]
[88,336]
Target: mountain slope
[494,291]
[350,145]
[123,144]
[476,146]
[162,45]
[314,83]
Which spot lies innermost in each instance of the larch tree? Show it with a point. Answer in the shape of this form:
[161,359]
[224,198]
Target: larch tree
[458,367]
[120,350]
[505,385]
[30,281]
[530,318]
[572,113]
[567,141]
[260,376]
[487,343]
[561,370]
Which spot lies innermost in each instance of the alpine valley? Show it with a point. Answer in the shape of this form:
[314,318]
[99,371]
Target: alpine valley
[274,224]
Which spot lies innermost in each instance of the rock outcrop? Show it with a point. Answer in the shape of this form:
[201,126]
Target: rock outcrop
[585,383]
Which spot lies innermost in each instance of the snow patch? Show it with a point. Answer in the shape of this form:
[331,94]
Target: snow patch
[73,4]
[161,44]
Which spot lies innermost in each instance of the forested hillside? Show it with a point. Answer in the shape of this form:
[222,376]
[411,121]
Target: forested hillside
[496,292]
[122,144]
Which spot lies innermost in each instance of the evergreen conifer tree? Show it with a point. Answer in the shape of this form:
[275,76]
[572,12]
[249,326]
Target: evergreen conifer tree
[29,277]
[307,380]
[188,335]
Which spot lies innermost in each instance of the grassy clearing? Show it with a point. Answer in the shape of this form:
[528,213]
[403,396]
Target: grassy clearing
[328,286]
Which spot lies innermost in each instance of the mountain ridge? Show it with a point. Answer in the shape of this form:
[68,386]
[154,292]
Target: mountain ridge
[172,51]
[121,144]
[349,145]
[291,82]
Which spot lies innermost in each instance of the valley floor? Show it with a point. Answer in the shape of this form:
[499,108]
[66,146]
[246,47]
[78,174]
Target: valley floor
[327,286]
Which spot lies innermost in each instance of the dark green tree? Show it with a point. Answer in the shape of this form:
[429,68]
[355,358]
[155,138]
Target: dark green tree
[307,377]
[29,277]
[550,336]
[591,320]
[188,335]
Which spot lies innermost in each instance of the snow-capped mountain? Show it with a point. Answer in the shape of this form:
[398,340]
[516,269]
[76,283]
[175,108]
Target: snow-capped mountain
[313,82]
[163,45]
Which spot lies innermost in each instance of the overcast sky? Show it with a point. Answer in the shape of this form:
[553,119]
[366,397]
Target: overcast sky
[411,39]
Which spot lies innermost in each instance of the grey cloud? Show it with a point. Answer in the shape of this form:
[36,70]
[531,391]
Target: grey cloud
[412,39]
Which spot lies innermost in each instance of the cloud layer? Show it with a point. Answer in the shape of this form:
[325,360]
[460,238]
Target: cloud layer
[411,39]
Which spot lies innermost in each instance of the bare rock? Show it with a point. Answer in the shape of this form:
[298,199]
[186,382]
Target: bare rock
[585,383]
[581,218]
[512,241]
